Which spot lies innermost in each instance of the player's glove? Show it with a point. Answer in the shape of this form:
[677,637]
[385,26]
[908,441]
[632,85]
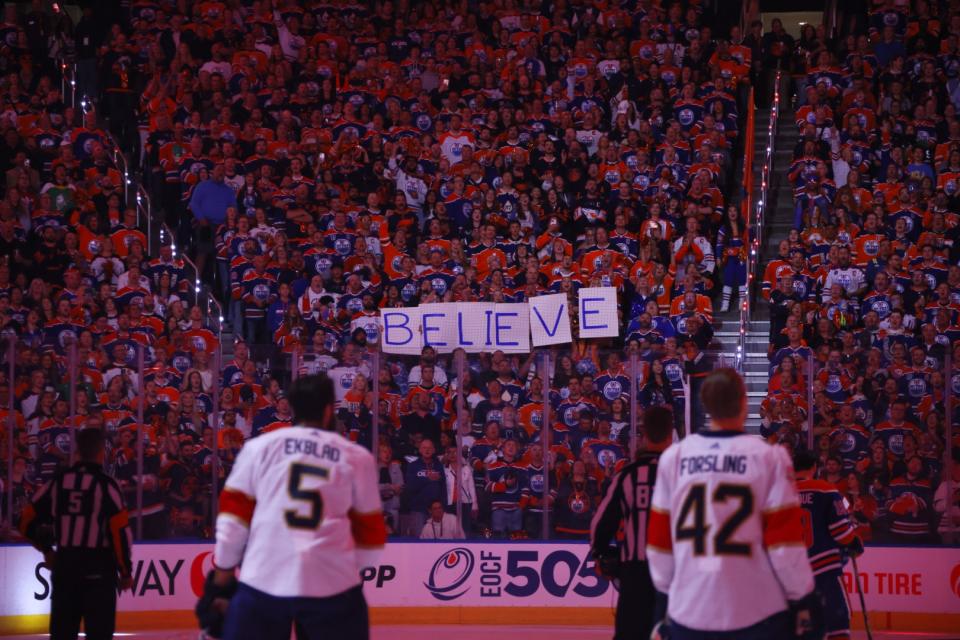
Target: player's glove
[607,563]
[211,607]
[807,616]
[661,631]
[855,548]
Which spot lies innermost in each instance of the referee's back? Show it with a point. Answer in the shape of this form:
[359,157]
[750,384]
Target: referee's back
[84,507]
[628,501]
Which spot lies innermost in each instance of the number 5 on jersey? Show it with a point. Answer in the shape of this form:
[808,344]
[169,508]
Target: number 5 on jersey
[311,497]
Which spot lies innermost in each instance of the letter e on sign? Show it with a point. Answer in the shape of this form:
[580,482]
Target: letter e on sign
[598,312]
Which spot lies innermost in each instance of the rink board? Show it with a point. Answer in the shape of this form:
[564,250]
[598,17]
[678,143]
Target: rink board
[906,588]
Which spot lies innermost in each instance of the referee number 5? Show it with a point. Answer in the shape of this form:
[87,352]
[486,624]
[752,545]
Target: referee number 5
[311,513]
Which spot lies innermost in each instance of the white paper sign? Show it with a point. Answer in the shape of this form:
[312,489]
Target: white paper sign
[484,327]
[487,326]
[511,328]
[550,320]
[473,326]
[402,331]
[439,322]
[597,307]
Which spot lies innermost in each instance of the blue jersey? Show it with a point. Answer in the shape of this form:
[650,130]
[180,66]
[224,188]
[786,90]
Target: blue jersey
[910,507]
[506,495]
[827,527]
[613,384]
[853,444]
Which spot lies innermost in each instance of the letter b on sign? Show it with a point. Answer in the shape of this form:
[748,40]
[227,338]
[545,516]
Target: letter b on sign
[401,330]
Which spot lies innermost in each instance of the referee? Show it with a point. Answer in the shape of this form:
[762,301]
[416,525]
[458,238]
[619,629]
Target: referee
[628,501]
[84,507]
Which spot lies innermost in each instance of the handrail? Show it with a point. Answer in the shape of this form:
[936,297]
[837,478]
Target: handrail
[756,227]
[198,287]
[745,209]
[68,83]
[831,18]
[136,196]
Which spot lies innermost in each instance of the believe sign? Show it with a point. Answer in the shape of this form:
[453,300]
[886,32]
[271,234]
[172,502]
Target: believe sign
[479,327]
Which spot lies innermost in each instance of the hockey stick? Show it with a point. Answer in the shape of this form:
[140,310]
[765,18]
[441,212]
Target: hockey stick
[863,603]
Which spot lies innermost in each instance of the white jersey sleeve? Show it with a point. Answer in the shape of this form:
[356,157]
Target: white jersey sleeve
[305,500]
[781,525]
[366,514]
[237,503]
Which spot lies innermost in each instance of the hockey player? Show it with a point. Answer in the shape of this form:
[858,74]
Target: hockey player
[725,528]
[627,502]
[301,513]
[829,534]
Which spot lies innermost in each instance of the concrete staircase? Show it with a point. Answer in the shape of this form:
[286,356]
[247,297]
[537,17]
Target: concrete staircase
[755,363]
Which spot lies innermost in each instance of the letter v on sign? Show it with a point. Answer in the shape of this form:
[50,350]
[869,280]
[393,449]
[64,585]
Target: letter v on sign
[556,322]
[549,320]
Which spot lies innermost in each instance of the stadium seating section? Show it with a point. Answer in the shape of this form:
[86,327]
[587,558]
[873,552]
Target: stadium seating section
[301,165]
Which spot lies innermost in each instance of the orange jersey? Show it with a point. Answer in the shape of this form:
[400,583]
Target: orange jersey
[703,307]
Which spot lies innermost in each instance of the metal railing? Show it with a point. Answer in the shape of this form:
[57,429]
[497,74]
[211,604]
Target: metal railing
[756,225]
[746,211]
[148,221]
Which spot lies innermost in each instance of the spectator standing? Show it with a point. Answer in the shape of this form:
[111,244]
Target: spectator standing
[577,499]
[209,203]
[696,367]
[464,492]
[507,488]
[424,484]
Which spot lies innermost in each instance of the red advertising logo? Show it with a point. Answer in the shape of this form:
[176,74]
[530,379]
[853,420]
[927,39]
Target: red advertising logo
[201,565]
[955,581]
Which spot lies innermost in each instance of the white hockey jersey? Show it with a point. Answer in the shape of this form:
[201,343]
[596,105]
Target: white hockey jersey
[298,510]
[699,253]
[851,279]
[451,145]
[725,539]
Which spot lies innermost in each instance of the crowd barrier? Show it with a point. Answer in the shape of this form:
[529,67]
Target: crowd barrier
[905,588]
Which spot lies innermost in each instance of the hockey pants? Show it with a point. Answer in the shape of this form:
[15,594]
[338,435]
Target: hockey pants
[255,615]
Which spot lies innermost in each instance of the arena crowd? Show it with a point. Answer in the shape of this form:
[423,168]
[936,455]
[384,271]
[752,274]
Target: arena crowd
[319,161]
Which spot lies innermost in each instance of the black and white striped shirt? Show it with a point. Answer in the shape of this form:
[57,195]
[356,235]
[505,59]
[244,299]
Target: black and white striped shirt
[627,500]
[85,507]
